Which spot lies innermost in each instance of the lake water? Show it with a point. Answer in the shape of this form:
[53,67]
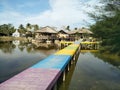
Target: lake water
[92,71]
[17,56]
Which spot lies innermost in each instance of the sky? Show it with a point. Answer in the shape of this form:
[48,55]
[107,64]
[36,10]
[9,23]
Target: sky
[57,13]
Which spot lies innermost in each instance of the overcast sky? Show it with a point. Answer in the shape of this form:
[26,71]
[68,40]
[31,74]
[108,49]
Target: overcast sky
[56,13]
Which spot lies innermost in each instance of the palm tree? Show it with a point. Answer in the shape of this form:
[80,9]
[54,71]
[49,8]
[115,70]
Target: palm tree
[36,27]
[28,26]
[21,29]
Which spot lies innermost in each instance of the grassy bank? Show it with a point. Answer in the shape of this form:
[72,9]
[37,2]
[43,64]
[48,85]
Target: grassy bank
[109,50]
[110,58]
[6,38]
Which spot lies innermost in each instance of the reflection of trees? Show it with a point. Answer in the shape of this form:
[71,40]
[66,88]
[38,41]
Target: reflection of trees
[7,47]
[26,45]
[45,46]
[22,45]
[30,48]
[114,60]
[21,48]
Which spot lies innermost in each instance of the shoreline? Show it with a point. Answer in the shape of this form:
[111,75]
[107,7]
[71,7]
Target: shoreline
[10,38]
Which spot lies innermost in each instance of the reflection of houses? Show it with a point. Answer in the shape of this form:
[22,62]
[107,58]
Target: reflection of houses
[63,35]
[43,45]
[80,33]
[16,34]
[16,42]
[46,33]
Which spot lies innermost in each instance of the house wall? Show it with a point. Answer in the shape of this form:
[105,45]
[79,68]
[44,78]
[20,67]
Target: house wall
[16,34]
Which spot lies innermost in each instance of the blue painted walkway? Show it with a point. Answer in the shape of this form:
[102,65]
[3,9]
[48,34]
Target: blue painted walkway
[44,74]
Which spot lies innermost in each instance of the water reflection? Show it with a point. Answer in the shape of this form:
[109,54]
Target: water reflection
[65,85]
[111,59]
[15,56]
[92,73]
[7,47]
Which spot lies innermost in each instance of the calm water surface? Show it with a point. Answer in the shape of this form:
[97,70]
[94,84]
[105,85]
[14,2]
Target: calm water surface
[17,56]
[92,72]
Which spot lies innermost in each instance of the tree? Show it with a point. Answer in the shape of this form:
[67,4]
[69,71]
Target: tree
[11,29]
[107,27]
[75,28]
[21,29]
[7,29]
[28,26]
[68,28]
[36,27]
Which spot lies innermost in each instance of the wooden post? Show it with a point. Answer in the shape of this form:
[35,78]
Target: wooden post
[63,75]
[74,57]
[78,51]
[68,67]
[55,86]
[71,61]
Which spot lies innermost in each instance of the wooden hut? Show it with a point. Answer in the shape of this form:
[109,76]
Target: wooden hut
[80,33]
[63,35]
[45,34]
[85,33]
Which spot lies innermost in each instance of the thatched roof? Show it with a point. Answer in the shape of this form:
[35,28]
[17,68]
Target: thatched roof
[63,31]
[72,32]
[83,30]
[46,29]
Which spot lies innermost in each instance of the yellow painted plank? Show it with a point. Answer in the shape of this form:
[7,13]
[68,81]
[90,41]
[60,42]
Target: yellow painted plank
[89,42]
[65,52]
[89,50]
[66,42]
[74,45]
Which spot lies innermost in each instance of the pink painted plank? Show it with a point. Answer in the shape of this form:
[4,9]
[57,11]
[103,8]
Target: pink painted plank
[32,79]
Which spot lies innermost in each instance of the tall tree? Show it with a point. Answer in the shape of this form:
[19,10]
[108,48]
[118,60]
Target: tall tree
[7,29]
[107,26]
[21,29]
[68,28]
[75,28]
[36,27]
[28,26]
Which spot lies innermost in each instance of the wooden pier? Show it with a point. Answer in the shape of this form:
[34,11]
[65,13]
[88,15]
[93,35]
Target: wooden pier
[45,74]
[90,45]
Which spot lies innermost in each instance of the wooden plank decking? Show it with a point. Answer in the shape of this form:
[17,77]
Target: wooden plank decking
[44,74]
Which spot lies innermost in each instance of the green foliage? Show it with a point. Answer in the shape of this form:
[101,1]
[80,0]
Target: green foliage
[22,30]
[75,28]
[107,27]
[36,27]
[7,29]
[28,26]
[7,47]
[68,28]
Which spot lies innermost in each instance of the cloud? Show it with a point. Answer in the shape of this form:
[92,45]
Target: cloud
[61,12]
[14,18]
